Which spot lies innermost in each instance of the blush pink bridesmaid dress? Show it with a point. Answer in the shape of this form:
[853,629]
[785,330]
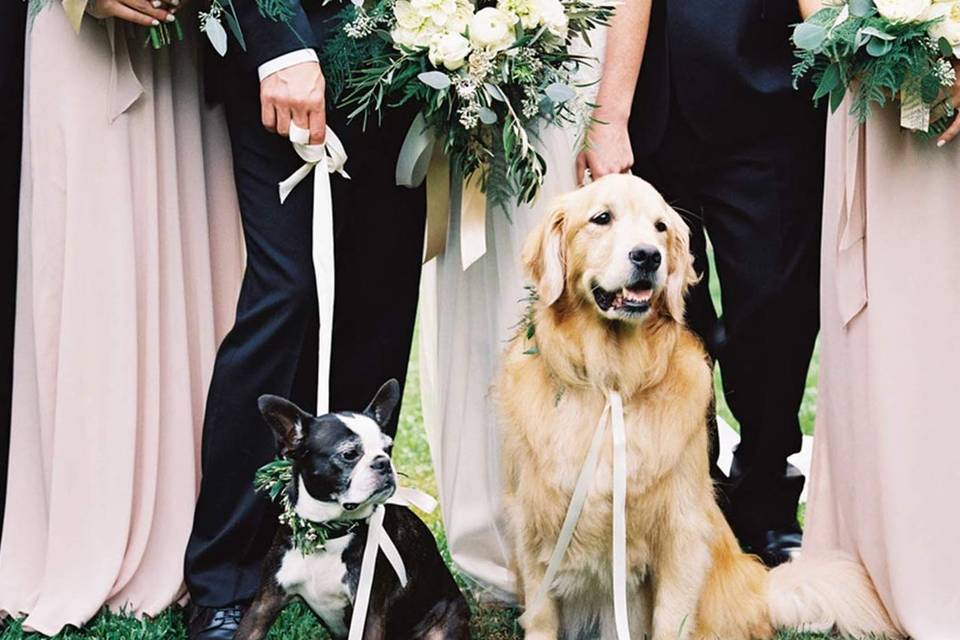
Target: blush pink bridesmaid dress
[130,266]
[885,483]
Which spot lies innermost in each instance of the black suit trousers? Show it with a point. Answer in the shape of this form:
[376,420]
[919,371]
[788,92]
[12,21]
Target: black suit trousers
[760,204]
[272,347]
[13,16]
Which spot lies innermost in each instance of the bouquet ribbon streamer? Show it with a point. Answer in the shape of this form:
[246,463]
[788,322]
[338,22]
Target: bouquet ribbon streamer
[422,158]
[612,415]
[851,276]
[322,160]
[75,10]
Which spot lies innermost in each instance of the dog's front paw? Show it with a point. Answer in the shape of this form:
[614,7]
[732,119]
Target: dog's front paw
[541,627]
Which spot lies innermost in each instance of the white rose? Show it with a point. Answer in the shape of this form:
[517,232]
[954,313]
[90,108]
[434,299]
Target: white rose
[902,10]
[460,20]
[949,25]
[525,10]
[491,28]
[552,16]
[437,11]
[407,17]
[414,39]
[450,50]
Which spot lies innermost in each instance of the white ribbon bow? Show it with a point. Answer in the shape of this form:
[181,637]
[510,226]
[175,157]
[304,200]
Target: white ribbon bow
[378,540]
[330,157]
[613,414]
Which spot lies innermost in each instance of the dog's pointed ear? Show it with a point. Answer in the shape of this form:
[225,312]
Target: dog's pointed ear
[383,405]
[286,420]
[682,275]
[544,255]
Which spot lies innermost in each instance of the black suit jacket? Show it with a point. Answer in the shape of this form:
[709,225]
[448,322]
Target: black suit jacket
[722,65]
[266,39]
[236,74]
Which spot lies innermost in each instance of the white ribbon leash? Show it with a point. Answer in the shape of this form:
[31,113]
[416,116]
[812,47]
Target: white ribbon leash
[377,539]
[613,414]
[330,157]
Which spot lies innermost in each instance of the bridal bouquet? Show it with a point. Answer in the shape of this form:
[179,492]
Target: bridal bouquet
[882,50]
[484,75]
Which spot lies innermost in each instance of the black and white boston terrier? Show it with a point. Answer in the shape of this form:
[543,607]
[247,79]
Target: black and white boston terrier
[341,471]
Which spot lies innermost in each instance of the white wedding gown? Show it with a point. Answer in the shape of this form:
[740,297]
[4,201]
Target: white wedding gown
[466,319]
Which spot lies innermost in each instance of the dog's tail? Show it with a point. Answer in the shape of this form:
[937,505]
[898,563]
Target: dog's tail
[818,593]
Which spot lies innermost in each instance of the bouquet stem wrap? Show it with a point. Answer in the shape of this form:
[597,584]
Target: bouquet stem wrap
[421,158]
[914,113]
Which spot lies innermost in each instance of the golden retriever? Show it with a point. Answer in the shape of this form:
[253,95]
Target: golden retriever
[611,265]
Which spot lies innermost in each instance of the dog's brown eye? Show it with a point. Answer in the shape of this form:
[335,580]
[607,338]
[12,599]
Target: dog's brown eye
[602,218]
[350,455]
[661,226]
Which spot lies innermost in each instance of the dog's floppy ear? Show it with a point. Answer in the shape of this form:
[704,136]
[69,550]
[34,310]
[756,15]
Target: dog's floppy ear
[682,274]
[286,420]
[544,255]
[383,405]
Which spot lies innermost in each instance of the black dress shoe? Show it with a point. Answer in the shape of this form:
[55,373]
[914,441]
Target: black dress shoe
[775,547]
[215,624]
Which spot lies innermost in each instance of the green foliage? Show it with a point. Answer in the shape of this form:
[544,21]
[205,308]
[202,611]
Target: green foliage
[874,59]
[488,112]
[273,479]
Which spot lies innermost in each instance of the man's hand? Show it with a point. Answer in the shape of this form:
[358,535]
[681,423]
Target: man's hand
[608,148]
[952,97]
[295,94]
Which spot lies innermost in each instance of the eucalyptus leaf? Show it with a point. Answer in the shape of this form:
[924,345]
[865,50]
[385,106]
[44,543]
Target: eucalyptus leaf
[488,115]
[861,8]
[836,98]
[234,25]
[216,34]
[946,49]
[809,36]
[494,92]
[828,81]
[435,79]
[877,33]
[879,48]
[560,93]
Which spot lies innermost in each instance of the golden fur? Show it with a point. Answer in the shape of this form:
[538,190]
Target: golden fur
[687,575]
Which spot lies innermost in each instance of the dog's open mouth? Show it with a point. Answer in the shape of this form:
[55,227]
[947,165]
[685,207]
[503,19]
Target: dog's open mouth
[634,298]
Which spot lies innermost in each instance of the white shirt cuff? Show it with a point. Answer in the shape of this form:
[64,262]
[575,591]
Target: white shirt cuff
[287,60]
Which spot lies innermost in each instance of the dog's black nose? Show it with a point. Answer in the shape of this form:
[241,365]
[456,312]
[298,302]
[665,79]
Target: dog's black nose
[380,463]
[646,257]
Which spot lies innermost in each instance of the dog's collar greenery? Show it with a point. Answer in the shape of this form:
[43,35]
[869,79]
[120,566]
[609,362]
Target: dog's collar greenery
[274,479]
[527,331]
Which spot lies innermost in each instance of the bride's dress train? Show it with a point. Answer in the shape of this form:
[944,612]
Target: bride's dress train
[466,318]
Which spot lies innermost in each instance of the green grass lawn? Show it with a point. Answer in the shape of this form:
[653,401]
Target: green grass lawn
[412,459]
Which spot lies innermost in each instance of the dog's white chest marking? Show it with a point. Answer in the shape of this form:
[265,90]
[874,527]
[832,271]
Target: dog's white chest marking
[320,579]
